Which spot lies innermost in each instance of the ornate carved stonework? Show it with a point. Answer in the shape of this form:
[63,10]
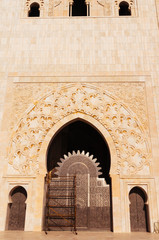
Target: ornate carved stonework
[29,2]
[87,164]
[107,7]
[92,193]
[123,126]
[53,4]
[135,93]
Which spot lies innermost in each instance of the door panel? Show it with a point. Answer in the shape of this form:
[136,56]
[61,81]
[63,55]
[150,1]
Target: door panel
[138,214]
[17,209]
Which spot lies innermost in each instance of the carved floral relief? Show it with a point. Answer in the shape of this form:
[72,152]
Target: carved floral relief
[126,131]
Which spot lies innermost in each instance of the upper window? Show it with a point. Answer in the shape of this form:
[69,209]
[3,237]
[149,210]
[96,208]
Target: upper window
[97,8]
[34,10]
[124,9]
[79,8]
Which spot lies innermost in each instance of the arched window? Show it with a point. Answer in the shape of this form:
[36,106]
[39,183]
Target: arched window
[79,8]
[124,9]
[34,10]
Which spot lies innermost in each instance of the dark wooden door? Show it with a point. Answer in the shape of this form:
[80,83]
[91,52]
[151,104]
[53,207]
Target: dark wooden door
[17,209]
[138,211]
[82,201]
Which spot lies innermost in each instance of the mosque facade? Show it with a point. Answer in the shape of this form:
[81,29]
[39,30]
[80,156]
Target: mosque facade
[79,97]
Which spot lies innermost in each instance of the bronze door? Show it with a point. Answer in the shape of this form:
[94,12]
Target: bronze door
[82,200]
[17,209]
[138,213]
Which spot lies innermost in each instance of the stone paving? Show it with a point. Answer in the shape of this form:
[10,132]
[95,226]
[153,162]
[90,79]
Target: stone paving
[16,235]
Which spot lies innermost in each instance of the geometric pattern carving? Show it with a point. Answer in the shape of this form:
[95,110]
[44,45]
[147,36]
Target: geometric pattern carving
[127,133]
[89,164]
[92,193]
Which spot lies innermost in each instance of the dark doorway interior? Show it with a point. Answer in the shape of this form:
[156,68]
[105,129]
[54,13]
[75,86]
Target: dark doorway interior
[79,8]
[17,209]
[34,10]
[80,136]
[124,9]
[138,210]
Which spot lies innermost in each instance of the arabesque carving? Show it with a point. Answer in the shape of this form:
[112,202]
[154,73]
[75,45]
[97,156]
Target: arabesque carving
[107,7]
[29,2]
[127,133]
[92,192]
[81,159]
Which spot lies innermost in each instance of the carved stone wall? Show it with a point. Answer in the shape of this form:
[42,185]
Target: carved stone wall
[58,8]
[102,8]
[127,133]
[135,92]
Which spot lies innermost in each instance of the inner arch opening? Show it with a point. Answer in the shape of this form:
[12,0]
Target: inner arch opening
[79,135]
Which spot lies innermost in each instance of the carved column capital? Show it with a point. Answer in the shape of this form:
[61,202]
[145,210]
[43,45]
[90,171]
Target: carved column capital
[71,2]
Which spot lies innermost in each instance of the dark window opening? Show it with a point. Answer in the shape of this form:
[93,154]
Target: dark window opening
[34,10]
[79,8]
[124,9]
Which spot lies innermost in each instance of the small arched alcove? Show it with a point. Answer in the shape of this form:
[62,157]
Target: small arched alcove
[93,192]
[16,209]
[34,10]
[79,135]
[124,9]
[138,210]
[79,8]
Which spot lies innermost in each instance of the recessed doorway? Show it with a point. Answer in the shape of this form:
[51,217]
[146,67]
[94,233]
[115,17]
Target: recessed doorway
[81,142]
[138,210]
[17,209]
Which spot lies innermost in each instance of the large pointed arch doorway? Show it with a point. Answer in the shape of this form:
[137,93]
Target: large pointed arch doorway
[88,157]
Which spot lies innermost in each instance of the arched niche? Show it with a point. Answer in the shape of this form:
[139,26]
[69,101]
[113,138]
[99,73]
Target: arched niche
[34,10]
[124,9]
[139,221]
[79,135]
[16,209]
